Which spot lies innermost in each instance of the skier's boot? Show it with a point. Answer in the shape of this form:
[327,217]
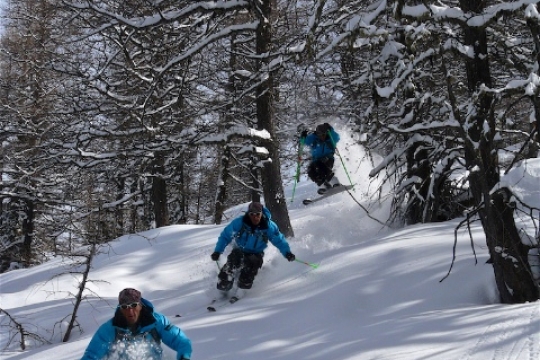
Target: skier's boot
[224,285]
[244,285]
[226,280]
[333,182]
[322,189]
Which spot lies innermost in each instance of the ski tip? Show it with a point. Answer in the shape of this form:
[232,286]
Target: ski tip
[211,309]
[307,201]
[177,315]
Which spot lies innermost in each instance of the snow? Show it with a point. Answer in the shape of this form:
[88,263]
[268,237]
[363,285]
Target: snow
[377,293]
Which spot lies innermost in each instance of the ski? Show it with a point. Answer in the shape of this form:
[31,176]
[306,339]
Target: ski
[232,300]
[211,306]
[333,191]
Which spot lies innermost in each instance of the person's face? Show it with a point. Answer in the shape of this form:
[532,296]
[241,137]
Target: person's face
[255,217]
[131,312]
[321,136]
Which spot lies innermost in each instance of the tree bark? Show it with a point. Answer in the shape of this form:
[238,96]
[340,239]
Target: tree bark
[28,231]
[221,195]
[508,254]
[274,195]
[159,193]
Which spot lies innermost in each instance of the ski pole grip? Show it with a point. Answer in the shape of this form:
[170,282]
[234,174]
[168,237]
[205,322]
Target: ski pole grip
[306,263]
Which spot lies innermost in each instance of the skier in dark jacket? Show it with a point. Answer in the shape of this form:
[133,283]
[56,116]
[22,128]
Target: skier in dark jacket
[323,146]
[251,234]
[136,332]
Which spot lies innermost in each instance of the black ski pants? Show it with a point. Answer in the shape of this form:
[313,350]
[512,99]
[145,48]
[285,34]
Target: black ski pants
[248,264]
[320,170]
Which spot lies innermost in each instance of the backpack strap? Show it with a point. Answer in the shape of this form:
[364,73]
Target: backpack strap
[239,234]
[155,335]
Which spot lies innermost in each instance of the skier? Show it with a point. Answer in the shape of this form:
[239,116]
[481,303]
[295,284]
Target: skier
[323,145]
[136,331]
[251,233]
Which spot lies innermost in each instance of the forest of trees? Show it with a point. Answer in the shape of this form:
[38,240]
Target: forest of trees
[119,116]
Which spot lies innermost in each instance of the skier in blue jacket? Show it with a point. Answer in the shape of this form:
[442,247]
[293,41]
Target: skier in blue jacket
[251,234]
[136,332]
[323,146]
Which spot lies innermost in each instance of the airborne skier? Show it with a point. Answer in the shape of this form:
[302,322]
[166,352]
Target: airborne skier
[323,146]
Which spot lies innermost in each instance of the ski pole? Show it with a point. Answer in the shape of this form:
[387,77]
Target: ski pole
[340,158]
[298,166]
[308,264]
[218,266]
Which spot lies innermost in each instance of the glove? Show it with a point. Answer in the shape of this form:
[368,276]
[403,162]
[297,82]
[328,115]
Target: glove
[215,256]
[290,256]
[303,135]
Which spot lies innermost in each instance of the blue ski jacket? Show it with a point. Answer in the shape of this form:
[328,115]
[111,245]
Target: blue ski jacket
[252,239]
[113,338]
[322,148]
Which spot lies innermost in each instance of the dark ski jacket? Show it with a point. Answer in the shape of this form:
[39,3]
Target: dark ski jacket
[319,148]
[114,339]
[252,239]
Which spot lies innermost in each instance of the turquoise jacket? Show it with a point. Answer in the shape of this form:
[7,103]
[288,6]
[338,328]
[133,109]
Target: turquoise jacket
[114,340]
[319,148]
[252,239]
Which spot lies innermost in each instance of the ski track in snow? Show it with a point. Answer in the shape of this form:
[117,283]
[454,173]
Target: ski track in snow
[534,339]
[525,349]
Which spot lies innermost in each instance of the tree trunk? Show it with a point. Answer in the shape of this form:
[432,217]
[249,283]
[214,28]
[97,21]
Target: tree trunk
[221,196]
[28,232]
[534,25]
[418,167]
[510,264]
[119,212]
[510,256]
[274,195]
[159,193]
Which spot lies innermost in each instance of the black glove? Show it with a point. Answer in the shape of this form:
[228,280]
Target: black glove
[290,256]
[303,135]
[215,256]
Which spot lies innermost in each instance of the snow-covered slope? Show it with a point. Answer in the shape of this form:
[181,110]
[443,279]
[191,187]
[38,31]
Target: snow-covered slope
[376,294]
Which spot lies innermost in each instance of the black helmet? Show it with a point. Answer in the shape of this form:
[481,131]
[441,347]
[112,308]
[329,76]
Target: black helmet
[322,129]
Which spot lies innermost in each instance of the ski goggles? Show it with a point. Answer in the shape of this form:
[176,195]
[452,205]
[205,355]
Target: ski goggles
[128,306]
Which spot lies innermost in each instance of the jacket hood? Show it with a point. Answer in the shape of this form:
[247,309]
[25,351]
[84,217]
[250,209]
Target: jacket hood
[147,303]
